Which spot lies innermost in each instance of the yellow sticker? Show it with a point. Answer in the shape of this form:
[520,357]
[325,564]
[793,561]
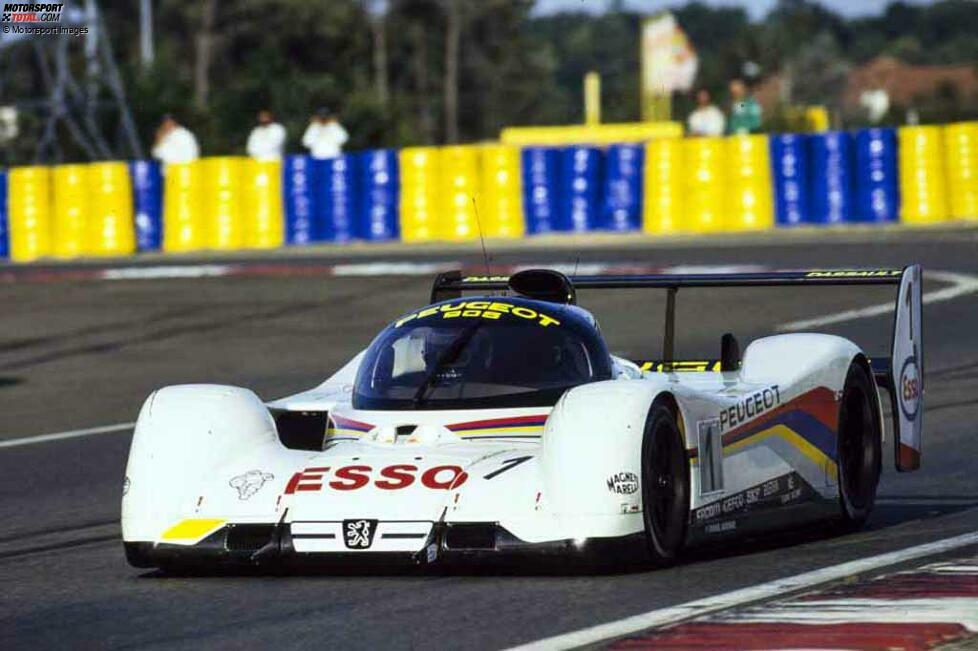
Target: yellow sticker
[480,309]
[193,529]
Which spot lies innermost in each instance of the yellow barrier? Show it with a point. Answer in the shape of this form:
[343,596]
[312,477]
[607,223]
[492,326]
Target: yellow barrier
[751,191]
[29,212]
[501,201]
[961,156]
[419,170]
[662,187]
[70,209]
[922,188]
[222,202]
[704,185]
[602,134]
[111,229]
[263,214]
[456,205]
[184,227]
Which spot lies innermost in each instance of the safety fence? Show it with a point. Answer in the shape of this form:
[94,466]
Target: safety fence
[667,185]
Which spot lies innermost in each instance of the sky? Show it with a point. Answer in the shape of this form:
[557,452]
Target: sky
[757,8]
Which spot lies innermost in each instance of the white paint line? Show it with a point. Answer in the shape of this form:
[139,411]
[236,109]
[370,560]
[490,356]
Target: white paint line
[961,285]
[393,268]
[960,610]
[769,590]
[60,436]
[170,271]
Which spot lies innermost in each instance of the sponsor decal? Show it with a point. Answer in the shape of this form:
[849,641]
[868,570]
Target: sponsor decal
[679,366]
[855,273]
[508,464]
[359,534]
[250,483]
[780,491]
[623,483]
[493,310]
[484,279]
[750,407]
[395,477]
[710,453]
[909,388]
[125,485]
[32,12]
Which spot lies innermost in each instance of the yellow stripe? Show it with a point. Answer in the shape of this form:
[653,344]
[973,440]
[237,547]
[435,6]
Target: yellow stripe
[344,432]
[815,455]
[501,430]
[193,529]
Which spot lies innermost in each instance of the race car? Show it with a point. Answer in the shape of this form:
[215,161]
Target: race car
[494,420]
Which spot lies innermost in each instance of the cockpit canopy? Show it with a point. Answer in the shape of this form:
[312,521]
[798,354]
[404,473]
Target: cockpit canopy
[481,353]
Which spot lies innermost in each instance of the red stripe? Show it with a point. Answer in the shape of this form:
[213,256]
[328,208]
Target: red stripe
[516,421]
[349,423]
[764,636]
[923,585]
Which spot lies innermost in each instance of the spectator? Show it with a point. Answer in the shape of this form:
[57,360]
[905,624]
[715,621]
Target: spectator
[745,112]
[267,139]
[174,142]
[325,136]
[707,119]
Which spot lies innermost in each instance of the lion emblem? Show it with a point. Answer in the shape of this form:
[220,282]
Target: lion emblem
[250,483]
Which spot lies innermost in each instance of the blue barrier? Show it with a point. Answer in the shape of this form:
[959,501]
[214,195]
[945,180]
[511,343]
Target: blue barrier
[299,185]
[622,200]
[336,198]
[579,205]
[377,218]
[831,177]
[789,158]
[877,179]
[540,170]
[147,201]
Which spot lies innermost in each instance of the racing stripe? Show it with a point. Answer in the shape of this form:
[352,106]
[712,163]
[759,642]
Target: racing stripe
[500,427]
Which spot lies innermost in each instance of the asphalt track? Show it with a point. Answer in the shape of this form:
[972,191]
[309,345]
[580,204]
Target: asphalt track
[82,353]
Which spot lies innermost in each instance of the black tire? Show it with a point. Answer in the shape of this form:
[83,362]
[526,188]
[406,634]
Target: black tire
[665,486]
[858,447]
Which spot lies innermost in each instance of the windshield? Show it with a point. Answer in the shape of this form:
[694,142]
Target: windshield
[502,353]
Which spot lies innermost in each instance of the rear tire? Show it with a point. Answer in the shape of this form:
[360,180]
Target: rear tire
[858,447]
[665,486]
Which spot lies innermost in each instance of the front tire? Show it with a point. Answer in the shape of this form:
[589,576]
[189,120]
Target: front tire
[858,447]
[665,486]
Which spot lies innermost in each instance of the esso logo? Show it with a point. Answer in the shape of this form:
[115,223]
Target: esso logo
[396,477]
[910,388]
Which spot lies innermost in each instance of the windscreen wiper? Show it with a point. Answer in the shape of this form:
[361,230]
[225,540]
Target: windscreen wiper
[449,355]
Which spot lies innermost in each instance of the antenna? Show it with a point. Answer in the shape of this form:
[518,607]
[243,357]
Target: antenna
[576,262]
[478,223]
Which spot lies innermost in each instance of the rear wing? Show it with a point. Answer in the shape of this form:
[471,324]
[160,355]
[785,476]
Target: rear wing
[901,375]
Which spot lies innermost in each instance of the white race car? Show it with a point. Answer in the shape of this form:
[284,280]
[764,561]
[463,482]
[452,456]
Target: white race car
[501,423]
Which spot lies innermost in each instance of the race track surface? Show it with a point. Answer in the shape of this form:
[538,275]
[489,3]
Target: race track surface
[85,353]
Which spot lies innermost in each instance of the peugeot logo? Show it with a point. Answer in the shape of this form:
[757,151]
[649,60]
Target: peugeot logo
[359,534]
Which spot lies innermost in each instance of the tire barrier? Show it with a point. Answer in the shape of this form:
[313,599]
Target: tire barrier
[4,233]
[336,201]
[578,202]
[622,200]
[662,211]
[540,171]
[831,178]
[501,202]
[789,162]
[111,229]
[379,188]
[703,188]
[70,210]
[961,159]
[263,218]
[457,207]
[748,168]
[301,210]
[147,202]
[922,184]
[29,212]
[877,182]
[223,202]
[419,193]
[184,226]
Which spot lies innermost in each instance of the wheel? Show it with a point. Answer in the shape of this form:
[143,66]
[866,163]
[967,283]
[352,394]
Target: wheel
[858,443]
[665,485]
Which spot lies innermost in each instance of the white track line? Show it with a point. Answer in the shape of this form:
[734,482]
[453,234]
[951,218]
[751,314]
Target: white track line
[60,436]
[961,285]
[769,590]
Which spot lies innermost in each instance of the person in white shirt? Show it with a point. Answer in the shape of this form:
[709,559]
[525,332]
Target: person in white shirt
[707,119]
[325,136]
[267,140]
[174,143]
